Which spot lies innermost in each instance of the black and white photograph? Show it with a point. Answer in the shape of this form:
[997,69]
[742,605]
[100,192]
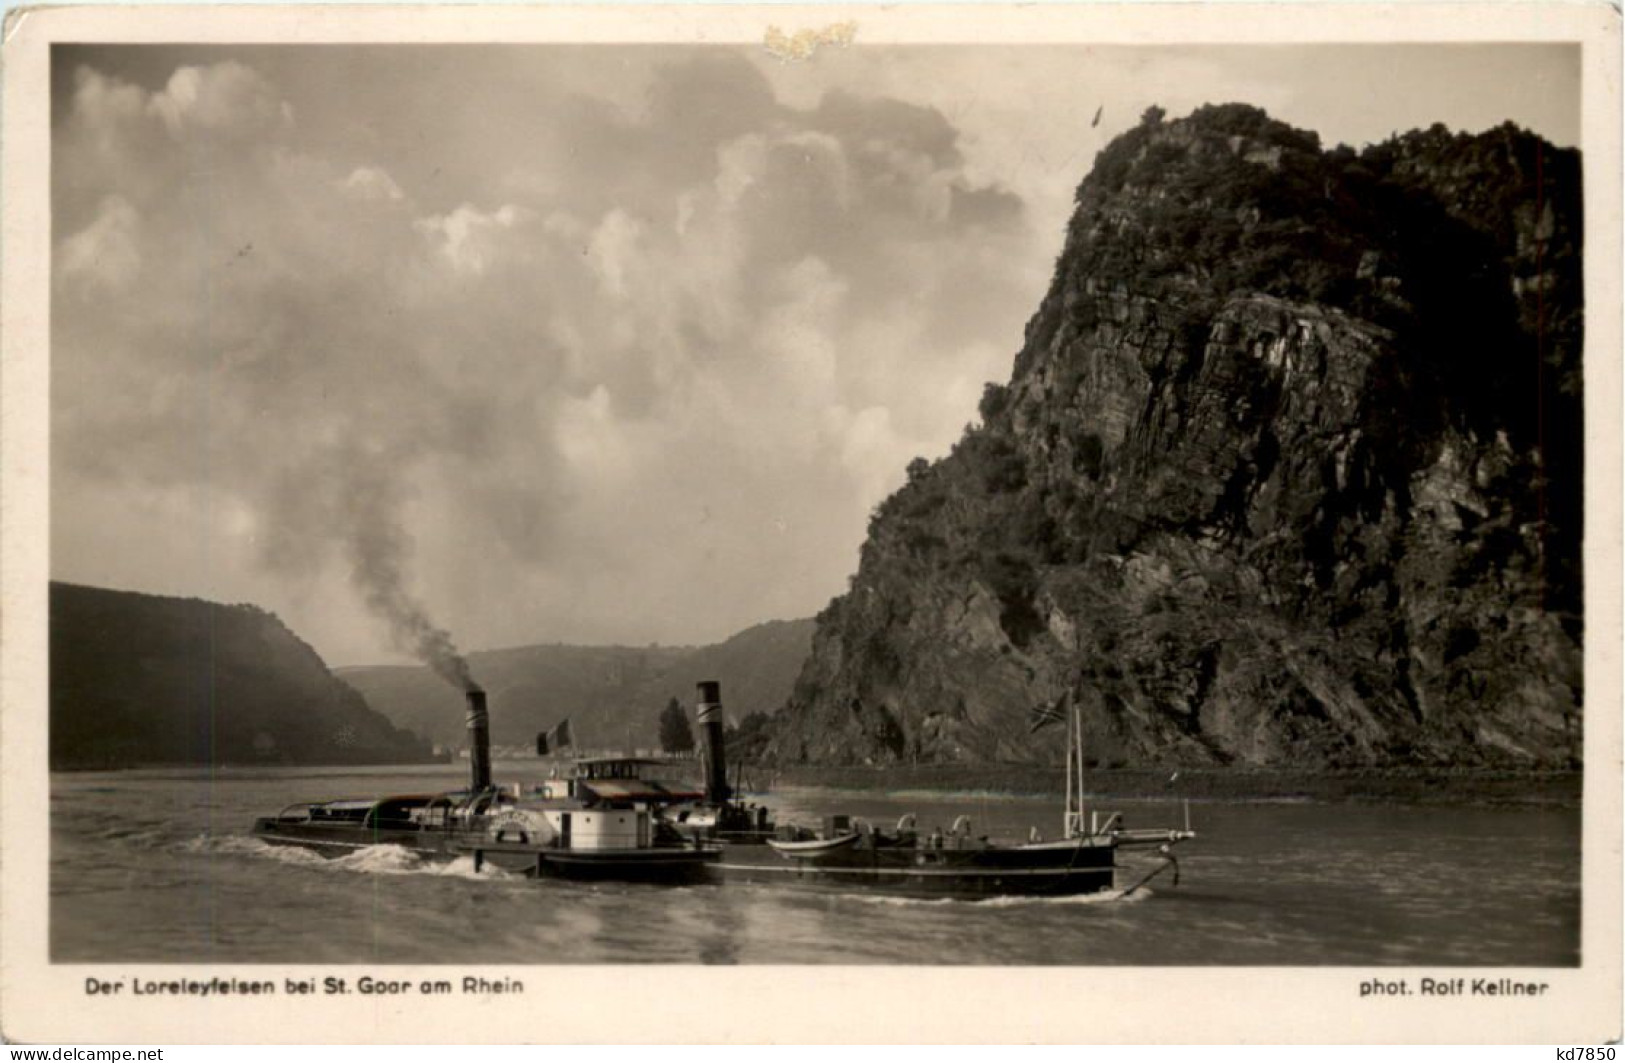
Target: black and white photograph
[514,508]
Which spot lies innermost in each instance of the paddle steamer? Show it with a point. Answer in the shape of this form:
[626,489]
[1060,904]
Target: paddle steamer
[596,826]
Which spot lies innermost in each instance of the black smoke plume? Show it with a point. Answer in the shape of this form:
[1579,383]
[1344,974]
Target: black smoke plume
[379,549]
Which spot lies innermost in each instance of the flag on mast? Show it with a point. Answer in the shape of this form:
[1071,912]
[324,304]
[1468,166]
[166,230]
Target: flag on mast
[558,738]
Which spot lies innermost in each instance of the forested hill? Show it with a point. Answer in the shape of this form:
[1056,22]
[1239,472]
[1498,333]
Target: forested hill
[138,679]
[612,695]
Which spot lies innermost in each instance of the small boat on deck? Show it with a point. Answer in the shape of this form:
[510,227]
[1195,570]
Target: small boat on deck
[814,846]
[597,826]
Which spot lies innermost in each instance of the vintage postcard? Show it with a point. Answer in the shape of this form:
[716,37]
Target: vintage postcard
[968,523]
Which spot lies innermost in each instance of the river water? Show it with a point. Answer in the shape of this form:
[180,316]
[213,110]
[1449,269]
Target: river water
[159,866]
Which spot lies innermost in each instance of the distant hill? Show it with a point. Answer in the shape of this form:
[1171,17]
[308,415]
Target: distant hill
[138,679]
[610,693]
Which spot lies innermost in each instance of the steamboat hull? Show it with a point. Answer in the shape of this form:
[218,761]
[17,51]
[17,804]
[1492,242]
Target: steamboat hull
[337,839]
[673,865]
[1022,871]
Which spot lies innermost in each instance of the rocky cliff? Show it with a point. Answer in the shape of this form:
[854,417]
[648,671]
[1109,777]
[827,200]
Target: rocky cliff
[138,679]
[1287,472]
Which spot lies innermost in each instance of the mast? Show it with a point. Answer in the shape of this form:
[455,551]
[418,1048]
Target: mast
[1067,821]
[1077,730]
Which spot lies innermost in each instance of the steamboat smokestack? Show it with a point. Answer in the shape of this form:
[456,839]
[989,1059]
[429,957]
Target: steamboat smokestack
[479,740]
[709,714]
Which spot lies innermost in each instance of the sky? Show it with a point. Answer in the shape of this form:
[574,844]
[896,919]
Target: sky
[585,344]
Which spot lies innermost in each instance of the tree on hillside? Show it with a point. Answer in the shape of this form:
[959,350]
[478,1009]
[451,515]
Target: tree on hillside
[675,734]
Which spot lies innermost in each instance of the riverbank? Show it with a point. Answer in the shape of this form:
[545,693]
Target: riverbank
[1411,786]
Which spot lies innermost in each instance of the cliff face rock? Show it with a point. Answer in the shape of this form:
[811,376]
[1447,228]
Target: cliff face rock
[138,679]
[1287,472]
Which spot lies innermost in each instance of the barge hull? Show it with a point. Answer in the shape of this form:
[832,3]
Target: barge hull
[336,839]
[1058,871]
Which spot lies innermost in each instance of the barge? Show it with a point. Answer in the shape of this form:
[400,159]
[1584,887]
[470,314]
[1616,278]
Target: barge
[847,854]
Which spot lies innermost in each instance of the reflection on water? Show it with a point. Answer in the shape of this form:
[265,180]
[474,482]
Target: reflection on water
[158,866]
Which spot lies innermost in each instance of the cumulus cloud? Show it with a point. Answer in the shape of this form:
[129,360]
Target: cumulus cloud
[680,360]
[371,183]
[612,250]
[470,239]
[106,252]
[227,97]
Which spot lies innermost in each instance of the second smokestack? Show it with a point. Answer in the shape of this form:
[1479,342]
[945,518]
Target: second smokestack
[709,715]
[479,741]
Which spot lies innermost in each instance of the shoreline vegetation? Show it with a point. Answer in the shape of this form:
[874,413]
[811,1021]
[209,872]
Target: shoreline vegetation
[1410,786]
